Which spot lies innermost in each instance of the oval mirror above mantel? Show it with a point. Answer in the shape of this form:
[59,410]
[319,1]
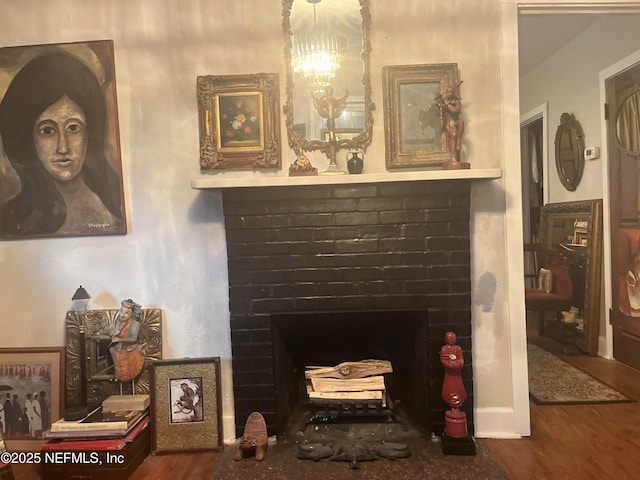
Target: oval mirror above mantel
[569,151]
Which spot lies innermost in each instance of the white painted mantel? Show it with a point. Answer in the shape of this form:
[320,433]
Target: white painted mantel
[218,181]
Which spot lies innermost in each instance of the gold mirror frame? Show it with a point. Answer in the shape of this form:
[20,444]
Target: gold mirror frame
[569,151]
[360,141]
[590,210]
[84,332]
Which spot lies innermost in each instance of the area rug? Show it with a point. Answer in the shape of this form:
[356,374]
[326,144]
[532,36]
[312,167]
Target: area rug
[552,381]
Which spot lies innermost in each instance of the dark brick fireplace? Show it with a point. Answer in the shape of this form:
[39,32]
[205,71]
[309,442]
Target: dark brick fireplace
[329,273]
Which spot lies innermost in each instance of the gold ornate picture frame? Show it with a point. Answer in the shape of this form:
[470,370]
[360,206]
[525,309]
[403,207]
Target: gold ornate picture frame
[413,129]
[88,336]
[25,372]
[239,121]
[186,405]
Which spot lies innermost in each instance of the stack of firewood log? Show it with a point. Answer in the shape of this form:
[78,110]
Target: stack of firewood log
[349,383]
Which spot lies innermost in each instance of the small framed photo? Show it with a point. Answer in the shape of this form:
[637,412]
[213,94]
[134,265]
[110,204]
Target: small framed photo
[186,405]
[239,121]
[413,124]
[32,389]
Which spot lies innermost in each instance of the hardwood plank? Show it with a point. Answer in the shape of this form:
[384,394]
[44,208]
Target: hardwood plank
[184,466]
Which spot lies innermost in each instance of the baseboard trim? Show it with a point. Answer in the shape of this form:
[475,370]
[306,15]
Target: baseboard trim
[496,423]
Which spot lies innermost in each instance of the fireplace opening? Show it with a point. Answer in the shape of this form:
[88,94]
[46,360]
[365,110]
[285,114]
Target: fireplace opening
[329,338]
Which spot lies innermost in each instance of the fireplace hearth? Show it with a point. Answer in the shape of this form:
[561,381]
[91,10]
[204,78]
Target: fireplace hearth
[330,273]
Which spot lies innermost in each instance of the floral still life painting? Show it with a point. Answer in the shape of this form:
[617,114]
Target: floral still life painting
[240,121]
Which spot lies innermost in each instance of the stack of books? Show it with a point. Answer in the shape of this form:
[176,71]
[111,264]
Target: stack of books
[115,418]
[115,436]
[98,425]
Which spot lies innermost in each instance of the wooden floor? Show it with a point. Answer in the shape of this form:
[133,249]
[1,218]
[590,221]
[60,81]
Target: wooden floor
[196,466]
[585,442]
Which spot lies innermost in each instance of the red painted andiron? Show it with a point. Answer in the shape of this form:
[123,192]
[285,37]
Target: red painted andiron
[455,438]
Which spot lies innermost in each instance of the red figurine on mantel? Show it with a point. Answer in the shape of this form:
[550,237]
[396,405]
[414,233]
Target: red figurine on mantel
[455,438]
[450,105]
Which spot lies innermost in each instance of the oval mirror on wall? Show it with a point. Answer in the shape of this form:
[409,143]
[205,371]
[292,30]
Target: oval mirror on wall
[569,151]
[628,123]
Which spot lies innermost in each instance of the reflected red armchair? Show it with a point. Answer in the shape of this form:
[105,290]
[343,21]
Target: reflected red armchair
[561,295]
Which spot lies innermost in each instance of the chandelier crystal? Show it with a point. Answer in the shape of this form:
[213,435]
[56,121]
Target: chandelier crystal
[317,58]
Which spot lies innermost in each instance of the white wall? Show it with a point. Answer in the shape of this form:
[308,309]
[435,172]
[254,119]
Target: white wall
[174,255]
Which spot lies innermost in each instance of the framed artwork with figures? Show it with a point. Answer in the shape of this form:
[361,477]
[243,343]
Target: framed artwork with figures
[32,389]
[60,164]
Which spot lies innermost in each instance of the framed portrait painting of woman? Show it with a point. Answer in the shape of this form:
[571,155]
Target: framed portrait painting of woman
[60,164]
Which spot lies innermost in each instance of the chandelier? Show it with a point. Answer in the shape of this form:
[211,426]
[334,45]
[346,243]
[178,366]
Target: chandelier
[317,57]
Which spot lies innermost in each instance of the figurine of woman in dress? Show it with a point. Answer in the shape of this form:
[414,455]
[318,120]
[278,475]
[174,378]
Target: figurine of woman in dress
[453,391]
[126,351]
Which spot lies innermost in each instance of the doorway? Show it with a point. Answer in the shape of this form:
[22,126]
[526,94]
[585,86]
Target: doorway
[570,93]
[532,140]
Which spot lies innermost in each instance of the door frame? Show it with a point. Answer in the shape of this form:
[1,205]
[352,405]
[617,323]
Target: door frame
[631,60]
[537,113]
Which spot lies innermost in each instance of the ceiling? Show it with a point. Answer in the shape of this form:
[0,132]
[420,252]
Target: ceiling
[539,36]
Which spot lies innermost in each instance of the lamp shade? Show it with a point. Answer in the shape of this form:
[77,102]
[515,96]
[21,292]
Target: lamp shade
[80,299]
